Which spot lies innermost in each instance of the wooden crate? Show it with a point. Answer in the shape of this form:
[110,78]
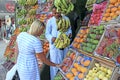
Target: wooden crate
[116,74]
[102,64]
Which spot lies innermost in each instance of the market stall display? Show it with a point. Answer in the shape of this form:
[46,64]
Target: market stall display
[98,10]
[112,11]
[95,51]
[99,71]
[25,14]
[109,47]
[68,61]
[80,37]
[97,48]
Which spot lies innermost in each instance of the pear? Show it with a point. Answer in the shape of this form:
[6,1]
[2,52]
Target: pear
[95,69]
[105,78]
[109,71]
[101,76]
[97,64]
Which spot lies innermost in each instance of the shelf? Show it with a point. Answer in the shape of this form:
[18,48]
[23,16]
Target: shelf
[103,60]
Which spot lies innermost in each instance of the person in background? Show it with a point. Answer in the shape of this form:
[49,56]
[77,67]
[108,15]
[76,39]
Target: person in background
[56,55]
[3,31]
[8,32]
[27,45]
[13,26]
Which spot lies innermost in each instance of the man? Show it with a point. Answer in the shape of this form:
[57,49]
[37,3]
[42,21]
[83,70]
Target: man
[56,55]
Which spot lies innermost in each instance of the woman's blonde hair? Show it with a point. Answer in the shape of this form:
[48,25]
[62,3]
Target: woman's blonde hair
[36,27]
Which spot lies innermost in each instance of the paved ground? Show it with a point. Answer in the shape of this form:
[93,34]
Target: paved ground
[3,71]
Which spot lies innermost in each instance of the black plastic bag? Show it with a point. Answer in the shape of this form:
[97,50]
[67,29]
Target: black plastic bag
[16,76]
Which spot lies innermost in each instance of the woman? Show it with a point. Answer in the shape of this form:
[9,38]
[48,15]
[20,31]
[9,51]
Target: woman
[27,45]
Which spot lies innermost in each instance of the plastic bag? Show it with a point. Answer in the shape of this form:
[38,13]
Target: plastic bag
[11,73]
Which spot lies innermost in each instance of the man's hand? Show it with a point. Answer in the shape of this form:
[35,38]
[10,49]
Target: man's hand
[53,39]
[70,35]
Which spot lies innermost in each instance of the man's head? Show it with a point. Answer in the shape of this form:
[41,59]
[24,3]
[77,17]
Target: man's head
[55,12]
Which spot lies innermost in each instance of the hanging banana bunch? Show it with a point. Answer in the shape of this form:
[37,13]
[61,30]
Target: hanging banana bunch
[63,24]
[64,6]
[62,41]
[31,2]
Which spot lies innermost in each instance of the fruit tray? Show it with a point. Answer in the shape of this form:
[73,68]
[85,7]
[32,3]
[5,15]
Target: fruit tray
[109,46]
[80,37]
[79,68]
[99,71]
[98,11]
[112,12]
[68,61]
[93,39]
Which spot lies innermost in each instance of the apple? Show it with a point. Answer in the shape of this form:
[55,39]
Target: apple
[118,59]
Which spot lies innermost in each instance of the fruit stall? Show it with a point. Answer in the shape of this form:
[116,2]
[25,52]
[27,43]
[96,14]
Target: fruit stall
[94,52]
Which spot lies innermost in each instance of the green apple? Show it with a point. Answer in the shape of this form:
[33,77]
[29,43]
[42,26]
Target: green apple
[105,78]
[109,71]
[97,64]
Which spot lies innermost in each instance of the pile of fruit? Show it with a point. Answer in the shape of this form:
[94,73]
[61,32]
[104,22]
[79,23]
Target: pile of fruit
[32,12]
[109,47]
[62,41]
[68,61]
[24,28]
[92,39]
[43,17]
[89,4]
[112,11]
[64,6]
[59,77]
[21,13]
[45,47]
[27,2]
[99,72]
[80,38]
[79,68]
[96,16]
[22,22]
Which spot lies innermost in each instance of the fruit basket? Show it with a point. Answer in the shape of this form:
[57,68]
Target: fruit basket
[68,61]
[109,46]
[100,71]
[93,39]
[79,68]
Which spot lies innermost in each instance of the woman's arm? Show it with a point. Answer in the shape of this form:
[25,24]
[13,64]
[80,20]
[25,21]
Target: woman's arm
[45,60]
[16,51]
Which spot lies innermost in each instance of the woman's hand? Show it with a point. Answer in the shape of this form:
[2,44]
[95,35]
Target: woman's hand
[53,39]
[57,65]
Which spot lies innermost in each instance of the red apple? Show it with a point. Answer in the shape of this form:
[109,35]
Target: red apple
[118,59]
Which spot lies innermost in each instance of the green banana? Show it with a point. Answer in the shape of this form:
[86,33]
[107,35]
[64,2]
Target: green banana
[72,6]
[59,24]
[64,3]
